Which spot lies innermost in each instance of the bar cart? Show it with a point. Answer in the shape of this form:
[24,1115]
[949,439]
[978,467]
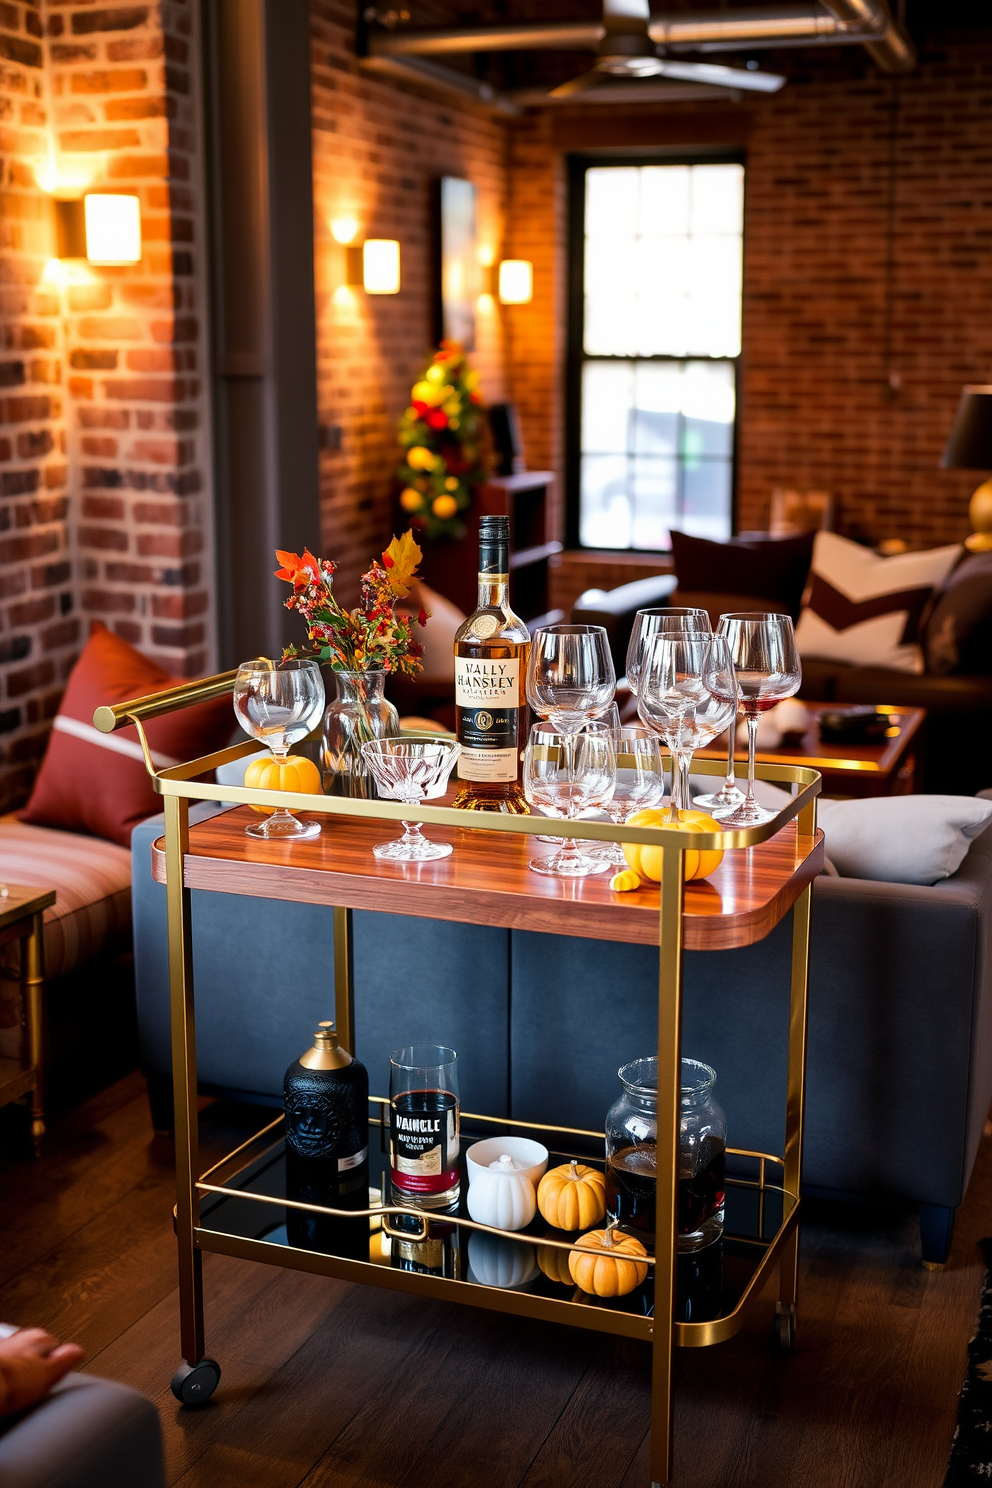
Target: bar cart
[240,1206]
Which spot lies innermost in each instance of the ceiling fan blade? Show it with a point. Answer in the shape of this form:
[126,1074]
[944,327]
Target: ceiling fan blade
[578,84]
[718,76]
[626,17]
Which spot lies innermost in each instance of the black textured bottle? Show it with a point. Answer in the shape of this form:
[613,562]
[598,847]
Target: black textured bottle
[326,1095]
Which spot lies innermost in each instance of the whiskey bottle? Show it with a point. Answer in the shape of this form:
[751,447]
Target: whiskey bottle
[491,651]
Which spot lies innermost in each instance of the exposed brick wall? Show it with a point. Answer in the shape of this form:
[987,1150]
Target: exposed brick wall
[103,453]
[123,81]
[38,625]
[817,409]
[379,147]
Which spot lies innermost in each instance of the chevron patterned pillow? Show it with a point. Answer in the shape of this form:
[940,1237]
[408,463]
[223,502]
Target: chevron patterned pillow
[865,610]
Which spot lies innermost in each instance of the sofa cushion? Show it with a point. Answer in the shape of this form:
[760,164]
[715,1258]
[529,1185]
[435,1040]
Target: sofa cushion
[866,610]
[92,881]
[97,783]
[775,569]
[957,637]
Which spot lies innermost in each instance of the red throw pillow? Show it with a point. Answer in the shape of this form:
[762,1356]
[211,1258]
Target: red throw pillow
[97,783]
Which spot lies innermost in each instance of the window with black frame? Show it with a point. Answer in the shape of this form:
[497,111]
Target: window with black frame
[654,338]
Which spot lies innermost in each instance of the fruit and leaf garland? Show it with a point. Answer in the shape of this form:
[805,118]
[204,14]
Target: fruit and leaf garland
[371,637]
[445,438]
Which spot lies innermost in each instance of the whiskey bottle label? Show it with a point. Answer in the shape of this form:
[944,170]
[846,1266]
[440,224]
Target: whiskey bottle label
[483,682]
[487,696]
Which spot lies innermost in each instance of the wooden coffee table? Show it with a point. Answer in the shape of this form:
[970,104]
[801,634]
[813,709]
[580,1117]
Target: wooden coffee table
[887,767]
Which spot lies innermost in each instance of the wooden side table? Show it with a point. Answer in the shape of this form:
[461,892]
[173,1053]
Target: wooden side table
[887,767]
[21,913]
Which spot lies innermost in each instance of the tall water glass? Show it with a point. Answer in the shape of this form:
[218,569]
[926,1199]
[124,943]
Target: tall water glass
[661,621]
[564,775]
[424,1125]
[279,703]
[767,669]
[686,695]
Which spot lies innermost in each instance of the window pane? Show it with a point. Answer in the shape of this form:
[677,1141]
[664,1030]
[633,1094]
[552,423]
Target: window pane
[663,260]
[657,446]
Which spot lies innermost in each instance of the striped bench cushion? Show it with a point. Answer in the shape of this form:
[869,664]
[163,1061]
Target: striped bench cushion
[92,879]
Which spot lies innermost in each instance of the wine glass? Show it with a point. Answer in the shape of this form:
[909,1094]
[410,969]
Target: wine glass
[729,797]
[279,703]
[767,668]
[570,676]
[686,695]
[640,780]
[566,774]
[408,770]
[649,623]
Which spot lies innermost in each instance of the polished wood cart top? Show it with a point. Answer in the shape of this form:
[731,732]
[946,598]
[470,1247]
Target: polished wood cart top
[486,881]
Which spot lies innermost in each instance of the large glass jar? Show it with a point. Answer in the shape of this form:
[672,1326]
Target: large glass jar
[631,1153]
[360,712]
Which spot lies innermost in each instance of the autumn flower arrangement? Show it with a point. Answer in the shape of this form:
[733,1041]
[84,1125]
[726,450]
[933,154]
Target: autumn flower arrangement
[445,437]
[371,637]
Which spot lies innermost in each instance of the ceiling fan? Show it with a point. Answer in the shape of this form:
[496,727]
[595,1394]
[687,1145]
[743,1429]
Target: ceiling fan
[626,52]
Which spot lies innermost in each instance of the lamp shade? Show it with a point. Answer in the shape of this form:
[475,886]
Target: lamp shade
[969,444]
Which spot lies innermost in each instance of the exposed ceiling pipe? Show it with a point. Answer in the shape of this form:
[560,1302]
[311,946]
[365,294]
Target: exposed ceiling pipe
[893,51]
[867,22]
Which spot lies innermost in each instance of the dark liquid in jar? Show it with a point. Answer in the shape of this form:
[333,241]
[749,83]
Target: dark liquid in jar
[631,1177]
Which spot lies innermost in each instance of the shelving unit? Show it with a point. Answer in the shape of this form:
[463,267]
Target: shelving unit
[241,1206]
[449,567]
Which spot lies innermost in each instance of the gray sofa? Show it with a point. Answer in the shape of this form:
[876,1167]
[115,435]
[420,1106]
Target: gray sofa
[87,1433]
[900,1032]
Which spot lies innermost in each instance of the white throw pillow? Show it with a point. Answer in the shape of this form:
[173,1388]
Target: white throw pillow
[865,610]
[902,839]
[894,839]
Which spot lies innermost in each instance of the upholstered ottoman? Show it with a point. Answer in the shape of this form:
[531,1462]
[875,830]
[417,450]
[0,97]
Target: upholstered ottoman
[91,915]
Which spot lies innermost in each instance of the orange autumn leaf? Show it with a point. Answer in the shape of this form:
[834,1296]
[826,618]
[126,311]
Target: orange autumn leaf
[400,562]
[296,570]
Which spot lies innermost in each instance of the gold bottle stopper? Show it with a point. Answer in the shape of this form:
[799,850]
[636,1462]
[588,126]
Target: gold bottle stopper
[326,1053]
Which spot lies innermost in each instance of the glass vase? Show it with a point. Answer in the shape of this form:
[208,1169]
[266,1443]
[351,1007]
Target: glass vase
[360,712]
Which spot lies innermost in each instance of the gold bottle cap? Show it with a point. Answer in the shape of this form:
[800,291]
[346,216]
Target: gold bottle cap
[325,1054]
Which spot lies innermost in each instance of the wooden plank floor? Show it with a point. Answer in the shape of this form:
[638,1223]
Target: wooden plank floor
[328,1384]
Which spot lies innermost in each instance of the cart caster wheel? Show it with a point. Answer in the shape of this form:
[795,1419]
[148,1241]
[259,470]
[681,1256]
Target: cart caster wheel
[193,1384]
[785,1325]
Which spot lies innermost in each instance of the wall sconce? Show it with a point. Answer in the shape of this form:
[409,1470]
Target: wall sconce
[374,266]
[102,227]
[516,281]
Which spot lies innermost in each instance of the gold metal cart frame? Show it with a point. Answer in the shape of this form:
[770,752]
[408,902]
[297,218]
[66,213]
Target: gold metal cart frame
[178,787]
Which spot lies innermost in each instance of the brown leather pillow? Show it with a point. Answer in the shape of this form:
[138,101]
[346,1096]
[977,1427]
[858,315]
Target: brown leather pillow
[97,783]
[957,638]
[776,569]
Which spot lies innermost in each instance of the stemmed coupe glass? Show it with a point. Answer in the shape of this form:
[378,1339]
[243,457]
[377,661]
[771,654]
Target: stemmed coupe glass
[767,669]
[660,621]
[686,694]
[279,703]
[564,775]
[410,770]
[640,779]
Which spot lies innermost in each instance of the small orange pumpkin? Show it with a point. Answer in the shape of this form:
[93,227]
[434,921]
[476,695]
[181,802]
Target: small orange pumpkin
[615,1271]
[572,1196]
[647,860]
[294,773]
[554,1263]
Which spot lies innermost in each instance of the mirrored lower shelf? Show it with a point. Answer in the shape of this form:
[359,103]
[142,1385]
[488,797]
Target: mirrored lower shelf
[519,1273]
